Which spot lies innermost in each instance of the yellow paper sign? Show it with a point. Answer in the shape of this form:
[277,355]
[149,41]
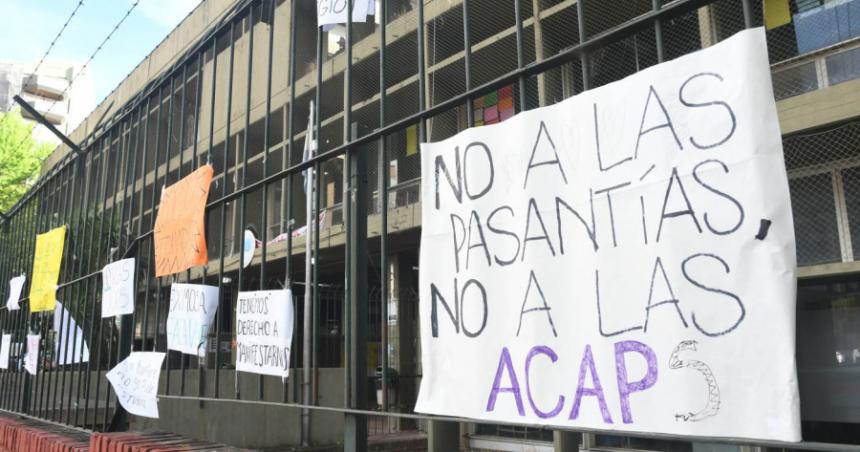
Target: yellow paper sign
[776,13]
[46,270]
[180,235]
[411,140]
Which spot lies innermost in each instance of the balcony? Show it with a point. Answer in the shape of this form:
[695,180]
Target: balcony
[46,108]
[48,87]
[831,23]
[818,70]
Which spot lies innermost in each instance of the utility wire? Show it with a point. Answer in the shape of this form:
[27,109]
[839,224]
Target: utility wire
[54,41]
[89,60]
[95,52]
[56,38]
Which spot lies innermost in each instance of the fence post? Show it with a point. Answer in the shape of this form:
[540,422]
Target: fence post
[565,441]
[119,421]
[355,428]
[443,436]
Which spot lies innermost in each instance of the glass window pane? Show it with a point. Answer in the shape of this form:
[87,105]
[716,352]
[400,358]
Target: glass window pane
[828,351]
[794,81]
[843,66]
[851,183]
[815,227]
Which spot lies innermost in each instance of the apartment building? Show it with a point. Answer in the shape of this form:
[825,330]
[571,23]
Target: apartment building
[49,89]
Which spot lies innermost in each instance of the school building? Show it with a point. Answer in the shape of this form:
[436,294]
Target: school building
[233,86]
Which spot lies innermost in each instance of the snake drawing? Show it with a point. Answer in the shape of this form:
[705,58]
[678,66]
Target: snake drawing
[712,407]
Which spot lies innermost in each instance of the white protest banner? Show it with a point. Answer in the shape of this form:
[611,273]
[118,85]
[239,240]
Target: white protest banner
[331,12]
[5,345]
[118,288]
[623,259]
[264,332]
[31,358]
[69,342]
[192,309]
[15,286]
[135,381]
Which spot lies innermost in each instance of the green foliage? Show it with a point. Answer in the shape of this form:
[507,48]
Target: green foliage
[20,158]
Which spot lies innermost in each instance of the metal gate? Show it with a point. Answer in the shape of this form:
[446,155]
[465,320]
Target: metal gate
[238,99]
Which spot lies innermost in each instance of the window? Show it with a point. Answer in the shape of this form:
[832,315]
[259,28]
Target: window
[824,180]
[844,66]
[514,431]
[828,359]
[815,228]
[643,443]
[851,184]
[795,80]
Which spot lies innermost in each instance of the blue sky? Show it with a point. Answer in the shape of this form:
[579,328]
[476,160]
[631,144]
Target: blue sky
[29,25]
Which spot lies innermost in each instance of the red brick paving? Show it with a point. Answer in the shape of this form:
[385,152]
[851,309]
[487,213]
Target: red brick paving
[18,434]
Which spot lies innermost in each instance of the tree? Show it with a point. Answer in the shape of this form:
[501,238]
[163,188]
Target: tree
[20,158]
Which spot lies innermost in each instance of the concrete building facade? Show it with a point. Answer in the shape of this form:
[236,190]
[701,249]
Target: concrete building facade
[232,85]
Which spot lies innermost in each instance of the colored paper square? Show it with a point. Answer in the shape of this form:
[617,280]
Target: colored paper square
[776,13]
[411,140]
[491,99]
[491,115]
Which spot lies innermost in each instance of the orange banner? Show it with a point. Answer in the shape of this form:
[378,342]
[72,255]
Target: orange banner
[180,235]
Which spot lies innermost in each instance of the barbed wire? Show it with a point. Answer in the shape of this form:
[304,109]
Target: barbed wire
[56,38]
[87,63]
[53,43]
[93,55]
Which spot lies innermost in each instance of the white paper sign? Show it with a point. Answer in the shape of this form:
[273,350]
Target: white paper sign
[118,288]
[31,358]
[5,345]
[135,381]
[15,286]
[69,346]
[192,309]
[264,332]
[622,260]
[249,245]
[330,12]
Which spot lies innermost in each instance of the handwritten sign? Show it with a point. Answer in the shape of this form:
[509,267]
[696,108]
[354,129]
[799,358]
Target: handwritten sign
[331,12]
[135,381]
[15,286]
[192,309]
[180,233]
[623,259]
[118,288]
[69,345]
[264,332]
[46,269]
[31,358]
[5,345]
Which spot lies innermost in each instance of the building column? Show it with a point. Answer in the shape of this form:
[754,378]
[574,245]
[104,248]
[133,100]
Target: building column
[565,441]
[443,436]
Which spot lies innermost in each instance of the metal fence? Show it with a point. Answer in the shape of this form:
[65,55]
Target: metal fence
[422,71]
